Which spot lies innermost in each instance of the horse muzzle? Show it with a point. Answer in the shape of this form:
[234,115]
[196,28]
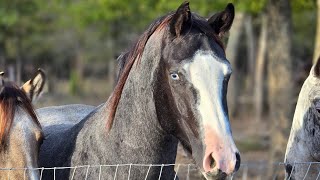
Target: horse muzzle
[221,157]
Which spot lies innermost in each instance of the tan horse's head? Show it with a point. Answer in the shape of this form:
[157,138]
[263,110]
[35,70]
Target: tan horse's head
[20,131]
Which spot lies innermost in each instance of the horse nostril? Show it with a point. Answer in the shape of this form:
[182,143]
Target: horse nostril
[238,161]
[212,162]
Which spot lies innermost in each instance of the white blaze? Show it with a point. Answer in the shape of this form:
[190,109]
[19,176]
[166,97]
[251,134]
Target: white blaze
[207,73]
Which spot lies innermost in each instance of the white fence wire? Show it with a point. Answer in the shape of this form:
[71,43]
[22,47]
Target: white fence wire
[247,171]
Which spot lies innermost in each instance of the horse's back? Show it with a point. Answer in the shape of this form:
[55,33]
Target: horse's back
[66,114]
[57,122]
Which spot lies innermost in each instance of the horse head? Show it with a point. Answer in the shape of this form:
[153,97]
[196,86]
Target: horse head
[20,131]
[196,72]
[304,142]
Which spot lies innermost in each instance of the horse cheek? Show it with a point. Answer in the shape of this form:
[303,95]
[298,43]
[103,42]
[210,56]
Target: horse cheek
[312,131]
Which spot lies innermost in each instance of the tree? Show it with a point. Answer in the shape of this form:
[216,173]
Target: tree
[232,52]
[243,21]
[280,81]
[316,53]
[259,77]
[17,21]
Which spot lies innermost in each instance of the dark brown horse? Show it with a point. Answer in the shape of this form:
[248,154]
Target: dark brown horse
[172,87]
[20,130]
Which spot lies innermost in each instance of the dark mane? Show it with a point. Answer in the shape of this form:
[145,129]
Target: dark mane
[127,59]
[12,96]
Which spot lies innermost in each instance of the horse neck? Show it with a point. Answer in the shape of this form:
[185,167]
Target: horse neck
[136,135]
[136,120]
[137,126]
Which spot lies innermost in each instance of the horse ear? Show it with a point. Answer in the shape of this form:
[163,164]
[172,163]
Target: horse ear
[221,22]
[315,71]
[1,78]
[180,19]
[34,87]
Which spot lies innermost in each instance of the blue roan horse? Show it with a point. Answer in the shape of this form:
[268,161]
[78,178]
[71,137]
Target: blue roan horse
[172,87]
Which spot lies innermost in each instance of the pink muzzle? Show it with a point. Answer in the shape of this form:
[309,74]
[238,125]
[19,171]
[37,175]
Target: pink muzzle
[220,153]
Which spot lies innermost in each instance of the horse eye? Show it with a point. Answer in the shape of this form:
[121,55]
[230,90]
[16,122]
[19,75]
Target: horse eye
[174,76]
[317,106]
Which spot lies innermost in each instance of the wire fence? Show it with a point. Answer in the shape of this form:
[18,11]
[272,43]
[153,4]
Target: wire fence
[247,171]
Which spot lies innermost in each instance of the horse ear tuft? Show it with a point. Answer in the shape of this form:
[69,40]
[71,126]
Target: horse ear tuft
[180,19]
[221,22]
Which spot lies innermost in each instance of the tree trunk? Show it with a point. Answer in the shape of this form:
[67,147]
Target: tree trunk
[79,64]
[316,53]
[2,63]
[51,80]
[18,61]
[232,52]
[280,81]
[2,56]
[18,70]
[259,70]
[76,76]
[11,74]
[112,76]
[251,50]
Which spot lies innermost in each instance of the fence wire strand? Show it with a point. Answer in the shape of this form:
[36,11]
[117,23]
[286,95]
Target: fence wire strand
[87,172]
[160,171]
[115,174]
[41,173]
[318,175]
[175,176]
[247,171]
[73,173]
[100,169]
[292,170]
[307,172]
[129,171]
[148,172]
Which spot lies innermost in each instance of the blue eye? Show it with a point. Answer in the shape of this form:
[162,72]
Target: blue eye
[174,76]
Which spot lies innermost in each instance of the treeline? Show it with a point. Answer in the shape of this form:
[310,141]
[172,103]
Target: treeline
[71,37]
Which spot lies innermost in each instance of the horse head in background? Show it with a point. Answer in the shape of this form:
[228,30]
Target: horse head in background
[20,130]
[304,141]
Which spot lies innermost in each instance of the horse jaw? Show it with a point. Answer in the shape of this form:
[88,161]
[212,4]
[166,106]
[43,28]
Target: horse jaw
[22,146]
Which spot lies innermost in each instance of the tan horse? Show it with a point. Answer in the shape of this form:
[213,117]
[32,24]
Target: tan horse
[20,131]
